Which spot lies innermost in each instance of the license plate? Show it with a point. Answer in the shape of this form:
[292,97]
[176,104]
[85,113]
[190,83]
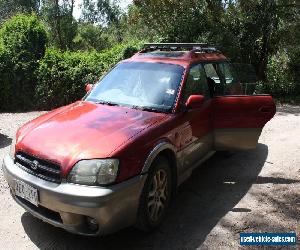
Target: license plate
[26,192]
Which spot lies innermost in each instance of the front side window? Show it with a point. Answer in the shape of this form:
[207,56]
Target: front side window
[196,83]
[142,85]
[214,78]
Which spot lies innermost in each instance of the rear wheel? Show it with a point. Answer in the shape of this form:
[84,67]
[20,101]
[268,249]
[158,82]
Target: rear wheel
[156,195]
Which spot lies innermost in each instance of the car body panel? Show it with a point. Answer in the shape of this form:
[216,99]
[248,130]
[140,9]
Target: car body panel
[238,120]
[189,136]
[84,130]
[242,111]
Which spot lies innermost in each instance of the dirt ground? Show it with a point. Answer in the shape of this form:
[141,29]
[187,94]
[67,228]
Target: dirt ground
[253,191]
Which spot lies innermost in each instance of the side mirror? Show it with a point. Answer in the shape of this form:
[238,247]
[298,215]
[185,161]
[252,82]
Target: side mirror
[88,87]
[194,101]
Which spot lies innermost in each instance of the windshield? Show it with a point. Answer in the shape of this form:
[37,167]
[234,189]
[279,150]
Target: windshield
[141,85]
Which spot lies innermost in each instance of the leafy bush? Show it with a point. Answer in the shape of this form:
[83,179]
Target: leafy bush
[5,88]
[63,75]
[294,65]
[22,44]
[280,80]
[91,37]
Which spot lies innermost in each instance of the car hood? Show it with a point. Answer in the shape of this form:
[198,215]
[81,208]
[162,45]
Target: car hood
[83,130]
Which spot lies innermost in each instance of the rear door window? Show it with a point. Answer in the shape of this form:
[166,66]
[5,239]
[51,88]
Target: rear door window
[224,78]
[232,85]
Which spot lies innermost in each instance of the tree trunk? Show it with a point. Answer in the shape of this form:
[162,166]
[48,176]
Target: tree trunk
[262,65]
[72,7]
[268,27]
[58,25]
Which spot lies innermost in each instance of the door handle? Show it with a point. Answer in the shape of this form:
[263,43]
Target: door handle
[265,109]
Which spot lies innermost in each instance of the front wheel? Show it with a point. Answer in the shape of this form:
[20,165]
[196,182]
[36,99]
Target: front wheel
[156,195]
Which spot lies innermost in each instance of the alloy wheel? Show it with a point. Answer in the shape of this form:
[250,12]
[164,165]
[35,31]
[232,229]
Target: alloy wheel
[157,198]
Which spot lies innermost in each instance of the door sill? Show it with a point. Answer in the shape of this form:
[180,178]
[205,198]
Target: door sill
[186,174]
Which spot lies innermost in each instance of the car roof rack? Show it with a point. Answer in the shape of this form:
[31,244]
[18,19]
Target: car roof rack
[192,47]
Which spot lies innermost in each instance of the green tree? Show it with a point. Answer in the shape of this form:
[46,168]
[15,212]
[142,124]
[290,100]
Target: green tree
[91,37]
[58,15]
[173,20]
[104,13]
[259,23]
[8,8]
[248,31]
[22,44]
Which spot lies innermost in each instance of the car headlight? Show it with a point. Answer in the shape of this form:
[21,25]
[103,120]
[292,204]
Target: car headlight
[12,150]
[94,172]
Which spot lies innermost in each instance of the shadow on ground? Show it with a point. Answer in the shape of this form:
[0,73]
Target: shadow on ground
[288,109]
[212,191]
[4,141]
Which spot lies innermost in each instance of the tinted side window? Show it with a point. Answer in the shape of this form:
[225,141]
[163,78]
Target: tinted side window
[214,77]
[224,78]
[231,84]
[246,75]
[196,83]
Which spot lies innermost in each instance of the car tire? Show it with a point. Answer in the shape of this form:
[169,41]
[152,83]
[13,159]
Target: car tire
[156,195]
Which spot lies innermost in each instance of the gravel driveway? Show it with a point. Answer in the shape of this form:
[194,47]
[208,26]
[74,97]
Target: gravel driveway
[253,191]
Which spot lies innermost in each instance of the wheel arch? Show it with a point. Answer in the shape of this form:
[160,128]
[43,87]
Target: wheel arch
[167,150]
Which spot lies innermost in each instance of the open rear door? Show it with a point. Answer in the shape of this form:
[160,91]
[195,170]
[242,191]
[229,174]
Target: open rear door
[239,120]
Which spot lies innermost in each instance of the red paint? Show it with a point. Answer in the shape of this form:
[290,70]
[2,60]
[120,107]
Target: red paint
[84,130]
[242,111]
[195,101]
[179,129]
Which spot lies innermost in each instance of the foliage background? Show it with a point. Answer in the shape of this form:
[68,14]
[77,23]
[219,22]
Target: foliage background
[46,55]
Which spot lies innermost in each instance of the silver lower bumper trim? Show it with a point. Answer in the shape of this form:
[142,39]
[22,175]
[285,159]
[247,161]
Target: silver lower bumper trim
[113,207]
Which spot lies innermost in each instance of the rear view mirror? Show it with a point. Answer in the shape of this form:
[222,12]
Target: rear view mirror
[88,87]
[195,101]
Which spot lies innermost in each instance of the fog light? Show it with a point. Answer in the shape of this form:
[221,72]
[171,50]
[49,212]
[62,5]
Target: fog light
[92,223]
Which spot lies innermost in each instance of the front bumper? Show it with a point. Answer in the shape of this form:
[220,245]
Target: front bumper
[69,205]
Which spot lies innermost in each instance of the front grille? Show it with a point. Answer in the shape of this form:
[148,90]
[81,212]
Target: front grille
[43,169]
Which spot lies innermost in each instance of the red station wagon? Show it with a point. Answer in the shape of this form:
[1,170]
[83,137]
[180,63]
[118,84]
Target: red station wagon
[116,157]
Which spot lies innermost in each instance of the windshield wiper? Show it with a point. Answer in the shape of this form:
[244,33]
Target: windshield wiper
[107,103]
[147,108]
